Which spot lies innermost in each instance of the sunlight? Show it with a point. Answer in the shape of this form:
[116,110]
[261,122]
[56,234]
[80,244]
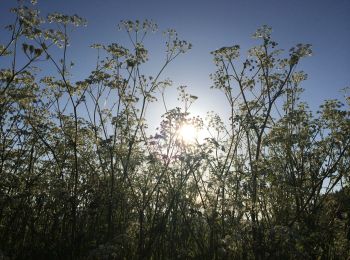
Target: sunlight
[188,133]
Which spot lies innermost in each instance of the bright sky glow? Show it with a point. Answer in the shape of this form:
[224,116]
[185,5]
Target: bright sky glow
[188,133]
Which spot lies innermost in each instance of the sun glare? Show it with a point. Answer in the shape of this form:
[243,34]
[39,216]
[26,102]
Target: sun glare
[188,133]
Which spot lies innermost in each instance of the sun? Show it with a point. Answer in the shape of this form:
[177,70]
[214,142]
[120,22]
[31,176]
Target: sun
[188,133]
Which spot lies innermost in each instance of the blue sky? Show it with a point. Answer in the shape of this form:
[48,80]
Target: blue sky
[209,25]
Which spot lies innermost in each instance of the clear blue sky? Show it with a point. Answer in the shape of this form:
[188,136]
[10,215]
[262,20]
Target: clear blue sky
[209,25]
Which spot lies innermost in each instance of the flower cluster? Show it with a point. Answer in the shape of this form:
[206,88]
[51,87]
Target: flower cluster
[174,45]
[145,26]
[301,50]
[226,53]
[30,21]
[74,20]
[116,50]
[263,32]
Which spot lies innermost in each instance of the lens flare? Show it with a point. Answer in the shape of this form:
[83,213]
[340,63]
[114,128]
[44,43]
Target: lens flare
[188,133]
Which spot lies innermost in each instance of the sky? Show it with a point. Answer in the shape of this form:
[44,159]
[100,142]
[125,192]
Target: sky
[211,24]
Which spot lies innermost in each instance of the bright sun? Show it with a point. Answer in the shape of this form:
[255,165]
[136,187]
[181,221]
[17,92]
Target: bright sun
[188,133]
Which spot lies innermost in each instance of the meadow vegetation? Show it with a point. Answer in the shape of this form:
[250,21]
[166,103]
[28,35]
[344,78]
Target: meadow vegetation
[80,179]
